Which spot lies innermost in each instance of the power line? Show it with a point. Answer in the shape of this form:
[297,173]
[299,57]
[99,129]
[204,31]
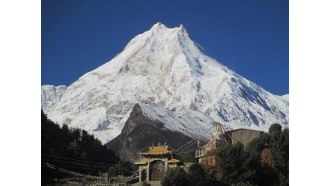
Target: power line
[71,164]
[178,150]
[60,157]
[89,164]
[72,172]
[75,167]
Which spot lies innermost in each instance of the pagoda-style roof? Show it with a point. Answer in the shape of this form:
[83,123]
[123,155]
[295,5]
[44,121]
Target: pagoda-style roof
[157,150]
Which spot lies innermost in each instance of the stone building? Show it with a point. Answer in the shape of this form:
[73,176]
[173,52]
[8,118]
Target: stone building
[244,136]
[207,154]
[155,162]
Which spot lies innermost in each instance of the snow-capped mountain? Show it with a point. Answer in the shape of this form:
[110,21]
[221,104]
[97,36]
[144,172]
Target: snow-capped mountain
[164,66]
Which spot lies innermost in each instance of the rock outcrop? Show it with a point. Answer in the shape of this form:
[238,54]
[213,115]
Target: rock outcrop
[140,132]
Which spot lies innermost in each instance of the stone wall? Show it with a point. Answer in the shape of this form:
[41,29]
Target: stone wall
[244,136]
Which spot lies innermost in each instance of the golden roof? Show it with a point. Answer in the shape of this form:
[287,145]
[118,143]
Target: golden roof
[158,150]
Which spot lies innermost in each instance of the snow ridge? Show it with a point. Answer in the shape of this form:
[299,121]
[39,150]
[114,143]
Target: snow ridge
[193,124]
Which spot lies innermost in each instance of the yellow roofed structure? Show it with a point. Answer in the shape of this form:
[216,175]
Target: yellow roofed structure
[155,161]
[158,150]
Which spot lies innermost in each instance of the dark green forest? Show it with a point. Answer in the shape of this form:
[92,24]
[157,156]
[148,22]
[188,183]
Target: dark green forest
[75,150]
[264,161]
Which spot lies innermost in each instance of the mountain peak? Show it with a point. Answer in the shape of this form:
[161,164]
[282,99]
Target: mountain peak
[181,27]
[161,41]
[158,25]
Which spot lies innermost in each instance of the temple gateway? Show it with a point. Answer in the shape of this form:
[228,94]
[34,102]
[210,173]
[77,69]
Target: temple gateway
[155,162]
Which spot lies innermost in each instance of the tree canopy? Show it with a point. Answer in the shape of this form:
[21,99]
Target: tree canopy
[72,149]
[264,161]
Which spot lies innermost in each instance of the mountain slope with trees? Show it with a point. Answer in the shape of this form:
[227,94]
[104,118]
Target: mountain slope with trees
[72,149]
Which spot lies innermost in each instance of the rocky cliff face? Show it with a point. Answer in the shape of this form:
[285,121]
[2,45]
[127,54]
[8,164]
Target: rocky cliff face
[140,132]
[50,96]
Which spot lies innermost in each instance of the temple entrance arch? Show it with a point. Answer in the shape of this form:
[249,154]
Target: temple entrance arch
[155,161]
[157,170]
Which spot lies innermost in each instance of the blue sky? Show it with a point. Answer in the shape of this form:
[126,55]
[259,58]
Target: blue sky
[250,37]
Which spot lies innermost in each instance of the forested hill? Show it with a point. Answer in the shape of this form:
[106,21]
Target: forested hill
[72,149]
